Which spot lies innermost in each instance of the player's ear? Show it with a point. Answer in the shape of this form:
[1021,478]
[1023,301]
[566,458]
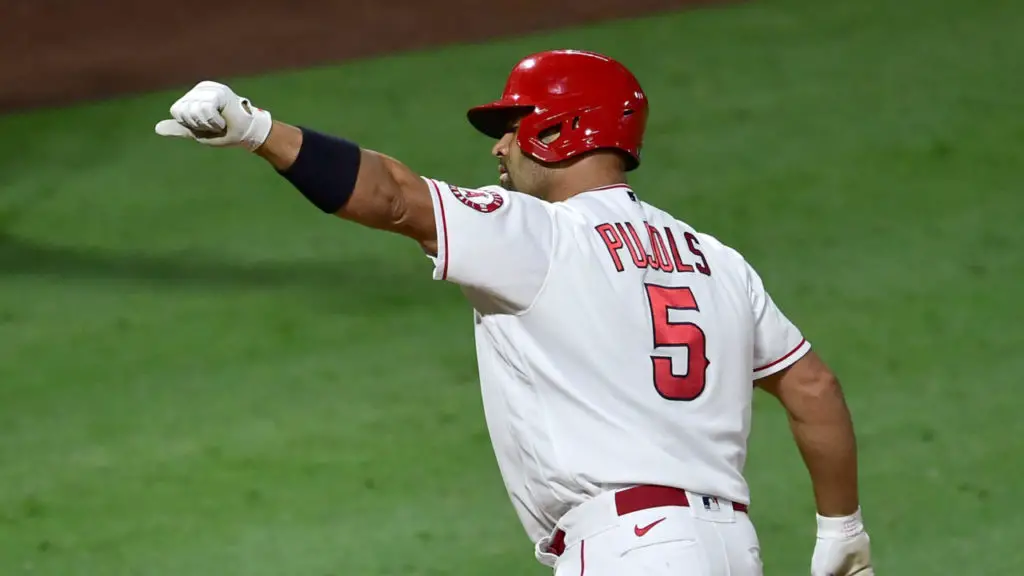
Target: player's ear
[550,135]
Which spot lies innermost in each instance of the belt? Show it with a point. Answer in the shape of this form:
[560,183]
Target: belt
[635,499]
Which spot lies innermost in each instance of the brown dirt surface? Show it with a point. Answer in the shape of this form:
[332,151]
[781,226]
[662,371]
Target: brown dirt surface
[55,52]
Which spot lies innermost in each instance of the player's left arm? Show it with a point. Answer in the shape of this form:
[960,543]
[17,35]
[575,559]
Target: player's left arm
[338,176]
[496,243]
[352,182]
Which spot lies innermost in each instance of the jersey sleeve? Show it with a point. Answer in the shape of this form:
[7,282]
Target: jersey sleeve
[496,242]
[778,343]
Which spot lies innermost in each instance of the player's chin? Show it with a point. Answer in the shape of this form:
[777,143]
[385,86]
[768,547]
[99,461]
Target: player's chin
[505,182]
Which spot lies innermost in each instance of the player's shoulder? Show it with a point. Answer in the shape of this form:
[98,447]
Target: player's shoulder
[706,239]
[709,240]
[726,251]
[489,199]
[713,246]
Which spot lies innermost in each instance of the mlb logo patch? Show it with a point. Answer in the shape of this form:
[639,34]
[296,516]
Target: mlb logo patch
[711,503]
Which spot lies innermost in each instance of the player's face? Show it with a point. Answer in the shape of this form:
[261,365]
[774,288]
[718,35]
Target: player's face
[517,171]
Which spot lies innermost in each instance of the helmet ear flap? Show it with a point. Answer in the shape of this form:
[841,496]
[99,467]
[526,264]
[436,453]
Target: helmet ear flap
[543,138]
[561,136]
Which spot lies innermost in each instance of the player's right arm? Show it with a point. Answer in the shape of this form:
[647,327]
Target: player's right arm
[822,427]
[787,368]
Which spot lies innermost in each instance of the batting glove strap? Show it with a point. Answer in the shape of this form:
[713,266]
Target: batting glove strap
[260,127]
[840,527]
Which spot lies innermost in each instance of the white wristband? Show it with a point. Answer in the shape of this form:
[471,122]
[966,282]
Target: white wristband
[839,527]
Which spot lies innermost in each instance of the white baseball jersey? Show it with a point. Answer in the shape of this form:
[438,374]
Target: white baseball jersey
[616,345]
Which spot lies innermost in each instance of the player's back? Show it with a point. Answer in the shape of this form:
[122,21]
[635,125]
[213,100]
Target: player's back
[627,354]
[648,328]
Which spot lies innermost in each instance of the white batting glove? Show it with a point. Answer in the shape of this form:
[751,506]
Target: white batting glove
[212,114]
[843,547]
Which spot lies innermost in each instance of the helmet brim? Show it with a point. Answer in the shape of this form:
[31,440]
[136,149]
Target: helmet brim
[495,119]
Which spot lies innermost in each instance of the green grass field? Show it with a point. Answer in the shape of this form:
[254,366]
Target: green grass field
[201,374]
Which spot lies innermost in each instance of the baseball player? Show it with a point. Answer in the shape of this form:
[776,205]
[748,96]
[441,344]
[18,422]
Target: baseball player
[618,347]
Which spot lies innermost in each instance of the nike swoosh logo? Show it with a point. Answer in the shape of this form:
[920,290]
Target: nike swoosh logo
[641,532]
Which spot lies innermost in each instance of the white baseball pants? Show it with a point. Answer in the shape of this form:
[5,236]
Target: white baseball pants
[701,536]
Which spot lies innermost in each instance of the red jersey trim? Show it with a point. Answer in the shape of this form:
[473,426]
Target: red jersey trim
[444,229]
[784,358]
[610,187]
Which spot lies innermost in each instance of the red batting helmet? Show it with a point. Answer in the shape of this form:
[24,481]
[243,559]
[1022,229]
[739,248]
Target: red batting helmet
[590,100]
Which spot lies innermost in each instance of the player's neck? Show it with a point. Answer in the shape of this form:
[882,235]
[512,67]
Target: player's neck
[584,182]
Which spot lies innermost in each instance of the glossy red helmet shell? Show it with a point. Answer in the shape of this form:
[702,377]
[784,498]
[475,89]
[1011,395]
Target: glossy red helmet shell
[590,100]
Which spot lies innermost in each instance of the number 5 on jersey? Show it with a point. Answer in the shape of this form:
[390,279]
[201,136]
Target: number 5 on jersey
[670,335]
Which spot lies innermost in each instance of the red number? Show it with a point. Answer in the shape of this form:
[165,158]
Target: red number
[668,334]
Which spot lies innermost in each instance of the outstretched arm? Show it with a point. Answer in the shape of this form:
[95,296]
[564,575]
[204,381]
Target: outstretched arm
[386,195]
[336,175]
[496,243]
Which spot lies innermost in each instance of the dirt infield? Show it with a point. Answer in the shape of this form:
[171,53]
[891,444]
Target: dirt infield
[54,52]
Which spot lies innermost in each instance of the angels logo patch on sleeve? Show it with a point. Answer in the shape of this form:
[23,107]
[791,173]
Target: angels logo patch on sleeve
[480,200]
